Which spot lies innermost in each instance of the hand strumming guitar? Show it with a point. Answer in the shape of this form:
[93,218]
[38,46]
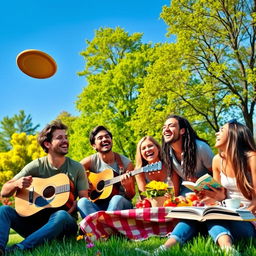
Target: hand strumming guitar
[24,182]
[128,182]
[11,186]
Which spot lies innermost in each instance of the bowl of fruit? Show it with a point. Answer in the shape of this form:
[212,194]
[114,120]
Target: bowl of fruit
[190,199]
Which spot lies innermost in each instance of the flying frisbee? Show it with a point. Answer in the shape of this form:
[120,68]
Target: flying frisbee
[36,64]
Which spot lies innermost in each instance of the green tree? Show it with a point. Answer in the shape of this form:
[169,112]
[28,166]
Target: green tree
[17,124]
[115,70]
[67,119]
[169,88]
[216,40]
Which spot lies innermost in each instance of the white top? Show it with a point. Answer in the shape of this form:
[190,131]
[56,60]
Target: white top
[232,189]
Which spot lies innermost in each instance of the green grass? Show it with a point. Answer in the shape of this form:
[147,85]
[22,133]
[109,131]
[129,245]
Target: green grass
[117,246]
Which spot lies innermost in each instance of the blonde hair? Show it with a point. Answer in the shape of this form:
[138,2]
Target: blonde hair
[139,160]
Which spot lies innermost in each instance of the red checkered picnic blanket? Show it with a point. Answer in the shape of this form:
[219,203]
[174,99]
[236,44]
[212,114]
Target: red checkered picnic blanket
[136,224]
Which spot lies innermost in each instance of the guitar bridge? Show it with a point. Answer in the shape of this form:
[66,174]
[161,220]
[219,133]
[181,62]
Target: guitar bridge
[31,195]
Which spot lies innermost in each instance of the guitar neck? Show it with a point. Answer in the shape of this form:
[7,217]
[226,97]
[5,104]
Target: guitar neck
[62,189]
[120,177]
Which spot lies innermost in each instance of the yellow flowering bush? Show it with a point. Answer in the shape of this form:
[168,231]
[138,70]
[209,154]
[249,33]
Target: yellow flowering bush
[156,188]
[24,149]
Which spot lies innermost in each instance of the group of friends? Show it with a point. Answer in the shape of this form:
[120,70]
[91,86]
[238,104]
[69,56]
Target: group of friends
[184,156]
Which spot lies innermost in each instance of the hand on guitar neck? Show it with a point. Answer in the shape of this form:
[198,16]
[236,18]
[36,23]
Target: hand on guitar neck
[102,183]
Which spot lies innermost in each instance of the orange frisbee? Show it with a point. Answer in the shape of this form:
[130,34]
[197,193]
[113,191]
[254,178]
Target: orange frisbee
[36,63]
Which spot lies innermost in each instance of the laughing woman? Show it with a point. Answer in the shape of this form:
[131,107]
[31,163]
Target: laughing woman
[149,151]
[235,168]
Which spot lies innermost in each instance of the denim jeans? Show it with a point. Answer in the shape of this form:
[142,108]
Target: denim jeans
[187,229]
[117,202]
[36,229]
[235,229]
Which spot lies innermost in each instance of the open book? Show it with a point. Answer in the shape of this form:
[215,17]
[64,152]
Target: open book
[202,183]
[210,213]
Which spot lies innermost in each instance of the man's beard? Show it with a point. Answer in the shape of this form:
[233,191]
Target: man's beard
[60,152]
[173,139]
[104,151]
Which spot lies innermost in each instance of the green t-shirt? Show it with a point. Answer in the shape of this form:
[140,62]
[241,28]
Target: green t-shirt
[41,168]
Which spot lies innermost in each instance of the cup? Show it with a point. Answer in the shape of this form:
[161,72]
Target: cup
[232,203]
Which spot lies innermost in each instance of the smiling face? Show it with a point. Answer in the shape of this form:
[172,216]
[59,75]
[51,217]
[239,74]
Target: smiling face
[149,151]
[171,131]
[59,143]
[222,137]
[103,142]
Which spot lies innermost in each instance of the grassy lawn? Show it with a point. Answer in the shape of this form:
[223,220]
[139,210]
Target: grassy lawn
[116,246]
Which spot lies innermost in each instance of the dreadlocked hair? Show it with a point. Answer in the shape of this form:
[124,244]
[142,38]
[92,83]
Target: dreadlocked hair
[189,147]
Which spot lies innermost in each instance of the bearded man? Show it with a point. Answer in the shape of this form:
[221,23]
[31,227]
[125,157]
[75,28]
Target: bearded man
[184,152]
[48,223]
[122,192]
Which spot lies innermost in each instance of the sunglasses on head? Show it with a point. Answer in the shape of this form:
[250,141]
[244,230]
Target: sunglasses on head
[232,121]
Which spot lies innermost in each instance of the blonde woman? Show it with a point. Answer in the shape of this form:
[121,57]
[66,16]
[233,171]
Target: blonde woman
[149,151]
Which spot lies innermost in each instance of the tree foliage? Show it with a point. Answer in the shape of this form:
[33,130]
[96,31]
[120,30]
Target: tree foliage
[67,119]
[24,149]
[216,42]
[115,70]
[207,75]
[19,123]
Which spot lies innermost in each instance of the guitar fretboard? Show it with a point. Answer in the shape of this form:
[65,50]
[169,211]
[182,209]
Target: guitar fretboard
[119,178]
[148,168]
[62,189]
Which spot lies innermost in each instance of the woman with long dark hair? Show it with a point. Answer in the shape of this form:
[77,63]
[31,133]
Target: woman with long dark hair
[235,168]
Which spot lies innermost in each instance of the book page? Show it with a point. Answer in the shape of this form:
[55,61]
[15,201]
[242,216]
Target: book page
[243,214]
[210,213]
[186,212]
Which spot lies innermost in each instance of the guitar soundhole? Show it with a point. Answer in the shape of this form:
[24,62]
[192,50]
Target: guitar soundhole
[100,185]
[49,192]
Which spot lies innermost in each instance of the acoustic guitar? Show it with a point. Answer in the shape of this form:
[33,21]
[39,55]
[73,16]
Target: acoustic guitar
[52,192]
[102,183]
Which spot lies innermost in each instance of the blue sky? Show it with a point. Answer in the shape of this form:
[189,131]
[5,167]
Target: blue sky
[60,28]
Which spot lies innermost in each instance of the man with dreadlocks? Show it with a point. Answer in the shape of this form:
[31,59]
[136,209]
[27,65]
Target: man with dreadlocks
[184,152]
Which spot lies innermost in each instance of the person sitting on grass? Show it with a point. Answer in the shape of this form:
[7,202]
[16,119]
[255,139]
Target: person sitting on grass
[50,223]
[148,152]
[235,168]
[122,192]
